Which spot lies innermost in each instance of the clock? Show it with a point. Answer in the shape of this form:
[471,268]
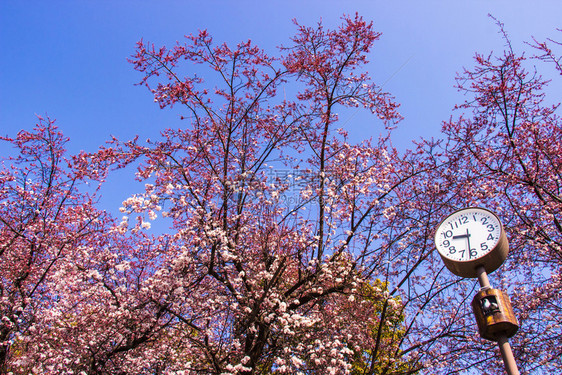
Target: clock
[470,238]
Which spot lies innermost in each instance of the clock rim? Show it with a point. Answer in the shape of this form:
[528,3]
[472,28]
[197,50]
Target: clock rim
[490,261]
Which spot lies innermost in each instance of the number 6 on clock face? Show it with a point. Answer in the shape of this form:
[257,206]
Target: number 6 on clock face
[469,238]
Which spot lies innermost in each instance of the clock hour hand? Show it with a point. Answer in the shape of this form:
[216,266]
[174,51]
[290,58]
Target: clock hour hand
[466,235]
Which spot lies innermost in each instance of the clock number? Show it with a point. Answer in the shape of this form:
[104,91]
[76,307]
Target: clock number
[484,221]
[473,253]
[457,223]
[490,227]
[484,246]
[490,237]
[446,243]
[452,250]
[449,233]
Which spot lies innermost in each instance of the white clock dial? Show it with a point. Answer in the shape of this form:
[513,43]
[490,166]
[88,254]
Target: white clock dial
[468,234]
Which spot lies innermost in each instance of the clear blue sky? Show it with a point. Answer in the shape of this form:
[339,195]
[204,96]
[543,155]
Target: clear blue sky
[67,59]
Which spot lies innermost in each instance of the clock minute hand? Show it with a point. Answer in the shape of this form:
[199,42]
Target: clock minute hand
[468,240]
[467,236]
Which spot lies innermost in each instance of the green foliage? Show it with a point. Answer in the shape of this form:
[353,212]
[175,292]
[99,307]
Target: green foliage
[381,354]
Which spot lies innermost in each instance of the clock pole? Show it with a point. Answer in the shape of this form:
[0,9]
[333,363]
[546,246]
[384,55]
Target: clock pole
[501,338]
[473,243]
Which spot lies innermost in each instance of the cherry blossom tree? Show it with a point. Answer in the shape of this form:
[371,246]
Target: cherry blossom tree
[270,203]
[280,226]
[44,217]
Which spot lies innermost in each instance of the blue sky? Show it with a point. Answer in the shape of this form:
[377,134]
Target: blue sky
[67,59]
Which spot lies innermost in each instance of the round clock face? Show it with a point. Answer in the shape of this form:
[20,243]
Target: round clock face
[468,234]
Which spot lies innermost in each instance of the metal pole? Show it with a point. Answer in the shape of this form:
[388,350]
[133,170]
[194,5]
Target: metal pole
[507,356]
[483,278]
[505,348]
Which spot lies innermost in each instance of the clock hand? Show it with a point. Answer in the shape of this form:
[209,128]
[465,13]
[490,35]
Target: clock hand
[468,240]
[462,235]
